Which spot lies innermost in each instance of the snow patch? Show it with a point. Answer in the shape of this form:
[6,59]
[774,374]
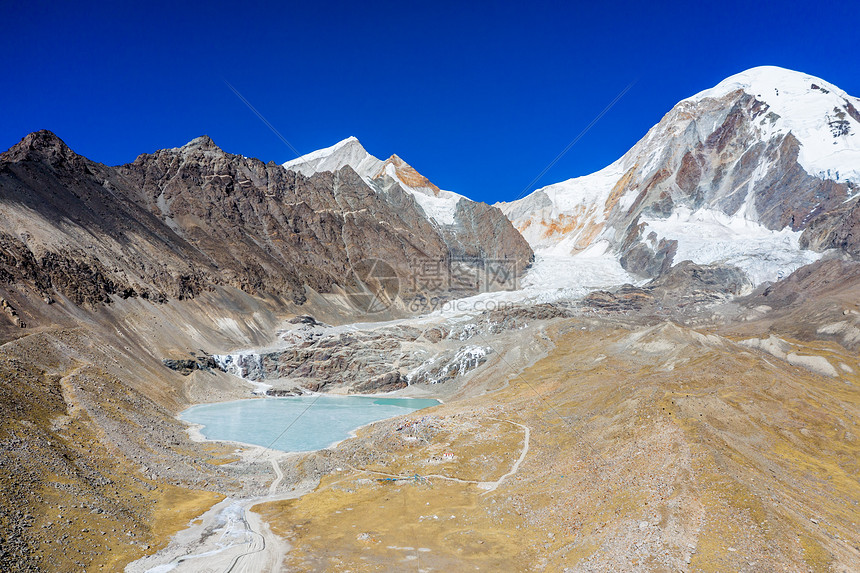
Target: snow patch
[782,350]
[441,208]
[551,278]
[849,332]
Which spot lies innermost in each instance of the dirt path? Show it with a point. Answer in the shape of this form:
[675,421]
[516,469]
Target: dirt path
[492,485]
[227,538]
[279,476]
[232,538]
[485,485]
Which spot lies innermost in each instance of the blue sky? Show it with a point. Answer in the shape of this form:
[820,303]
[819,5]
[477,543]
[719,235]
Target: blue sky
[480,98]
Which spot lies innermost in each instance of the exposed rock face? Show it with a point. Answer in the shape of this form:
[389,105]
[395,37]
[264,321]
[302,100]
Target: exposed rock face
[270,230]
[180,221]
[648,258]
[685,286]
[624,299]
[810,282]
[387,383]
[820,301]
[475,233]
[316,358]
[690,278]
[11,313]
[320,358]
[71,226]
[836,229]
[186,366]
[767,150]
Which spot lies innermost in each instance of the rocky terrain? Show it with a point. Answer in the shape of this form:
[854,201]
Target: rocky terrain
[183,220]
[650,449]
[117,284]
[698,414]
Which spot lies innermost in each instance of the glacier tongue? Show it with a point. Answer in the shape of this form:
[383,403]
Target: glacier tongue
[552,277]
[707,236]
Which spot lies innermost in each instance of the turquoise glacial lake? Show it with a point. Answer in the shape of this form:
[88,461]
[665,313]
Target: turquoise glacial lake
[296,423]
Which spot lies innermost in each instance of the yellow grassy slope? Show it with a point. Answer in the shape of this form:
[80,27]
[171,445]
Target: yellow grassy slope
[666,450]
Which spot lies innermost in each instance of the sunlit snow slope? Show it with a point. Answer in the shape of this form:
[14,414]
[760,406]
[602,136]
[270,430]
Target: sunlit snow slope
[733,175]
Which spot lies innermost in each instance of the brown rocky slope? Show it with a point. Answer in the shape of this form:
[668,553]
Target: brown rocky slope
[183,220]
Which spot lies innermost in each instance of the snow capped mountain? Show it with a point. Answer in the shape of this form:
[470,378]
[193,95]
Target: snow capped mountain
[477,236]
[439,206]
[734,174]
[347,152]
[823,118]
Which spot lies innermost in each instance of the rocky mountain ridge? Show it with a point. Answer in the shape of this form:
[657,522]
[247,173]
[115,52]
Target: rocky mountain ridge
[183,220]
[473,231]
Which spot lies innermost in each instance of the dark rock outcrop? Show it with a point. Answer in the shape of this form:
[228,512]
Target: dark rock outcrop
[388,382]
[623,299]
[683,286]
[483,236]
[186,366]
[690,278]
[183,366]
[304,319]
[836,229]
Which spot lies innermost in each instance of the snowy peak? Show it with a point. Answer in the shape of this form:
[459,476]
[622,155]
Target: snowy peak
[401,171]
[438,205]
[472,231]
[766,81]
[824,119]
[346,152]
